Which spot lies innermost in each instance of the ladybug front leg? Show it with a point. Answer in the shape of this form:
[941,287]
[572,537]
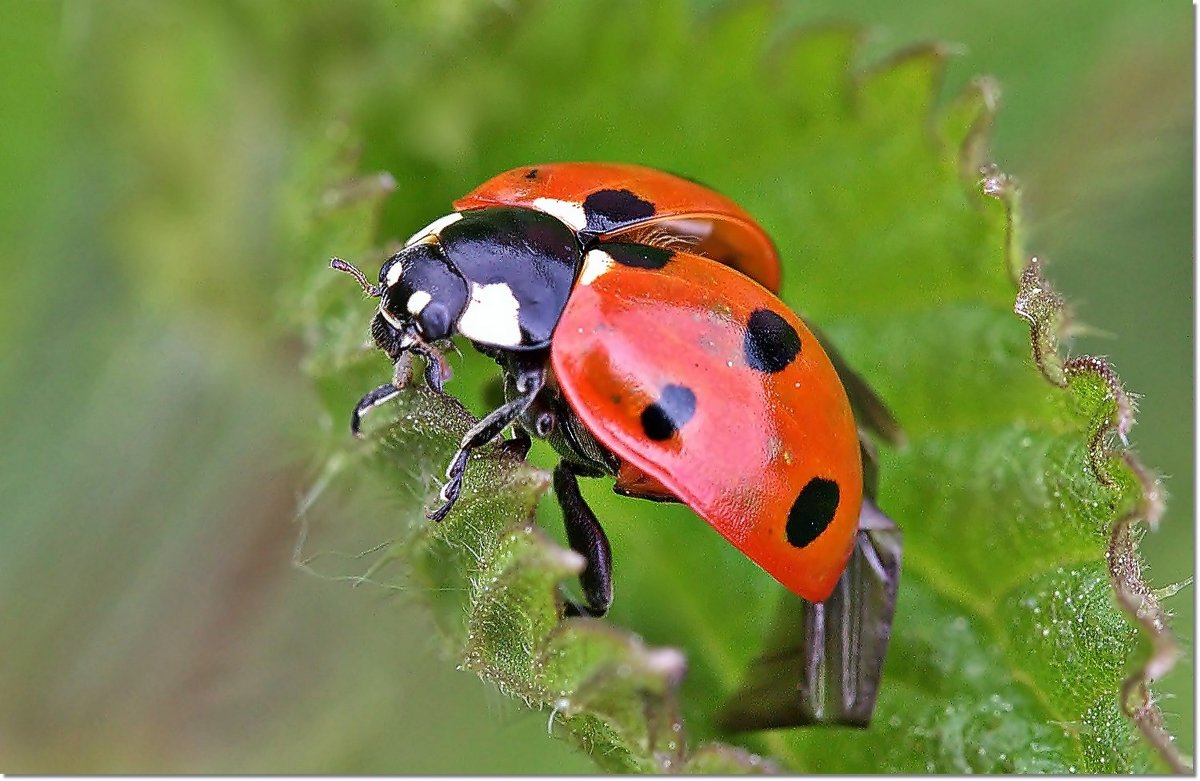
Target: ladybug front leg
[529,382]
[587,538]
[435,372]
[381,395]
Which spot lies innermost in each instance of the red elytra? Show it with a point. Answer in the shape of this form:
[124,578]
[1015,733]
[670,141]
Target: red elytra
[764,448]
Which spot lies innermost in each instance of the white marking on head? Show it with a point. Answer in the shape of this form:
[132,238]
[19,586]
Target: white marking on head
[433,229]
[492,316]
[418,301]
[393,275]
[595,263]
[569,212]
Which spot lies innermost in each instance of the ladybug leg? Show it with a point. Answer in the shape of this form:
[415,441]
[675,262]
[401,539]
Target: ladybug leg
[519,444]
[381,395]
[401,376]
[529,383]
[493,396]
[825,660]
[587,538]
[437,371]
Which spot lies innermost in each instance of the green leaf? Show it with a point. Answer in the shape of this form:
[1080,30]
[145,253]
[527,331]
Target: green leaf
[1018,498]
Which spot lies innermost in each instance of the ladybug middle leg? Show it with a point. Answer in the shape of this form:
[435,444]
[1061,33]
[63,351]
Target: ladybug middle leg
[529,381]
[586,538]
[521,442]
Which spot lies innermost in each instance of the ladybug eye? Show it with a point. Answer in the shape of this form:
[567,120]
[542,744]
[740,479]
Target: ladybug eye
[394,304]
[421,288]
[434,321]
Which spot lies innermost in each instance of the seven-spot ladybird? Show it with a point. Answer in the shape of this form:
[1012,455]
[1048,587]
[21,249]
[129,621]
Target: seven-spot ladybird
[633,315]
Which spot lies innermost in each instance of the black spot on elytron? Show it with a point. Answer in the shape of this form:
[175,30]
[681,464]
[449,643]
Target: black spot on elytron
[812,511]
[532,173]
[674,408]
[638,255]
[771,343]
[607,210]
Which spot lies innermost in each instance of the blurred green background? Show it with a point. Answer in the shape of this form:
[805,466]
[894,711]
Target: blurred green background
[159,428]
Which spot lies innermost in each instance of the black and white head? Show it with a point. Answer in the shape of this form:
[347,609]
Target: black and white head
[421,299]
[499,277]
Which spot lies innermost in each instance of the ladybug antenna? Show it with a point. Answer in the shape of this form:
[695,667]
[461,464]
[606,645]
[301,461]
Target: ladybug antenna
[374,291]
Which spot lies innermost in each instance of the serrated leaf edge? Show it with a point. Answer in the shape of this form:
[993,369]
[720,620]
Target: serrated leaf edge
[1049,319]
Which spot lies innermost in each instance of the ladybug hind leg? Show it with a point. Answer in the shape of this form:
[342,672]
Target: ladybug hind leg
[586,538]
[824,661]
[529,382]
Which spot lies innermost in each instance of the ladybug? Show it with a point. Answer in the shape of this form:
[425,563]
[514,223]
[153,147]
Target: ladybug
[634,316]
